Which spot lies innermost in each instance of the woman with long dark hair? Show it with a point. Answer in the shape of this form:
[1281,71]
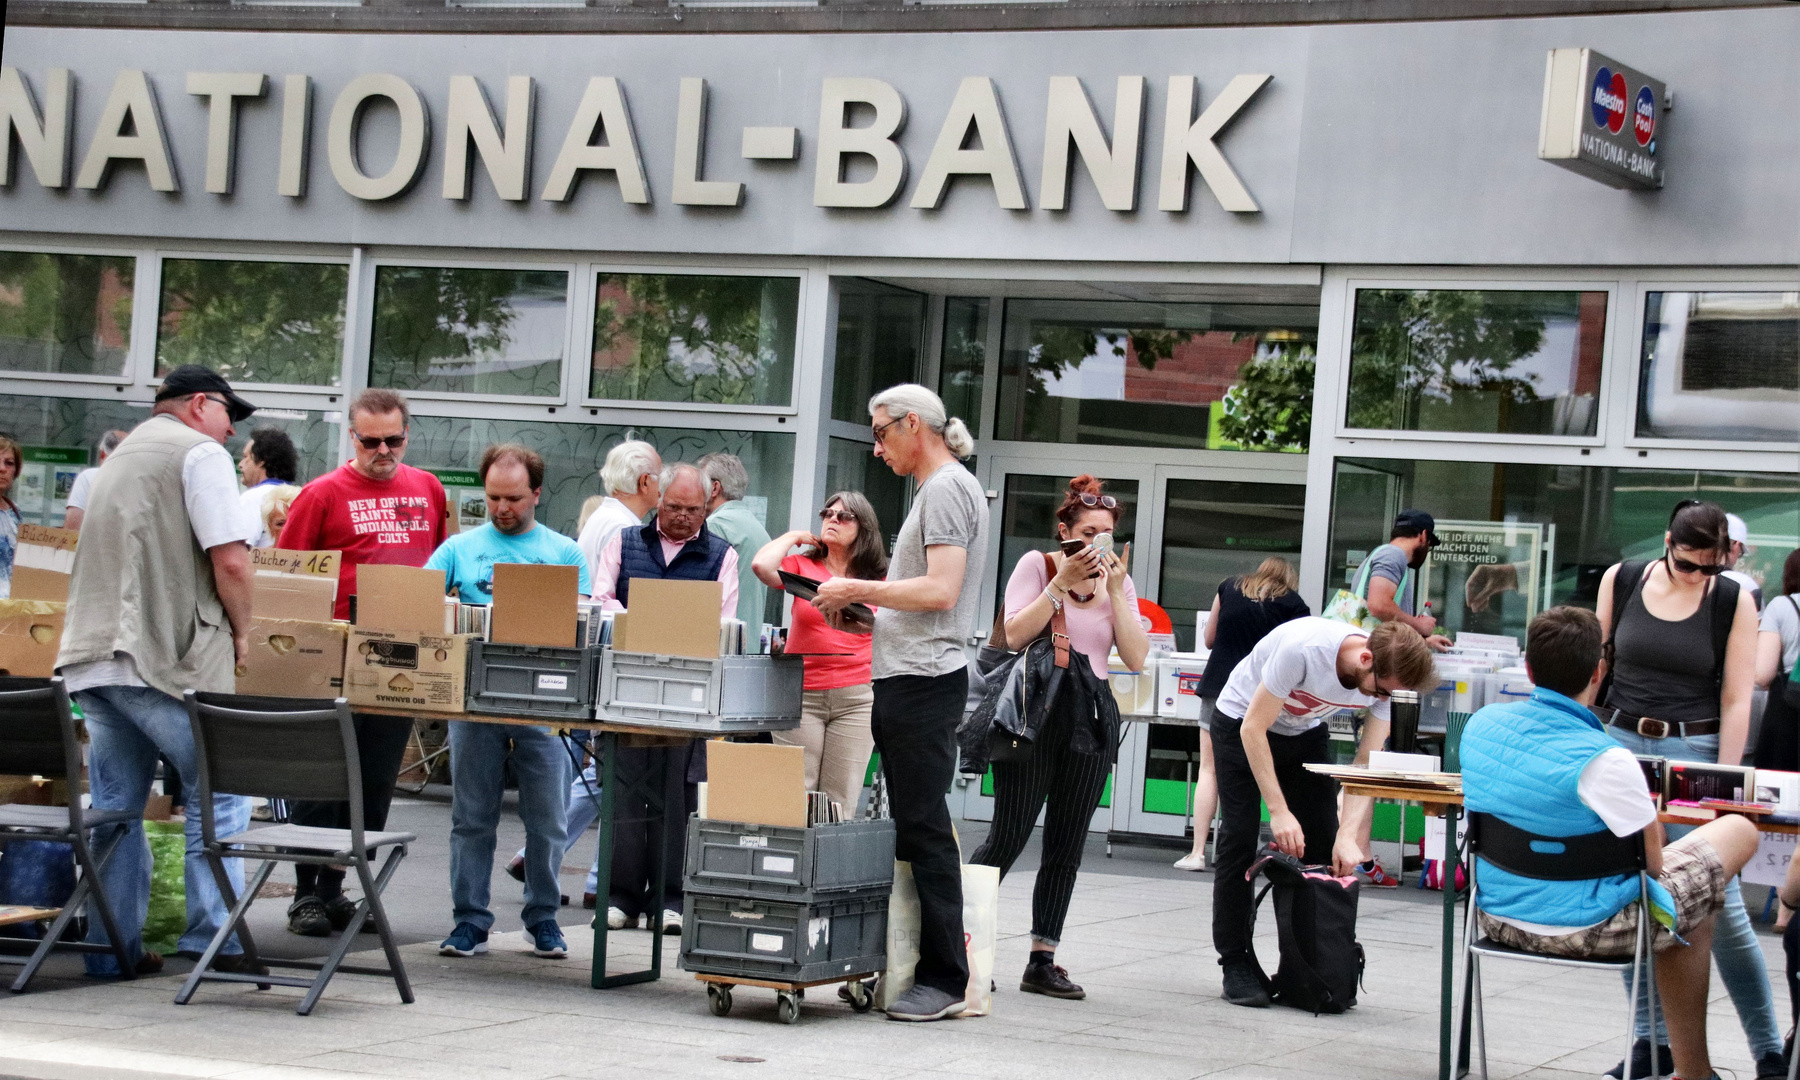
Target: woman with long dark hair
[1676,693]
[1094,595]
[837,696]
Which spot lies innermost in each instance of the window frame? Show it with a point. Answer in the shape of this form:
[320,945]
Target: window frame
[347,261]
[146,278]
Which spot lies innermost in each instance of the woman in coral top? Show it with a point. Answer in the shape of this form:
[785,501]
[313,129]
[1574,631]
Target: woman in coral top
[834,716]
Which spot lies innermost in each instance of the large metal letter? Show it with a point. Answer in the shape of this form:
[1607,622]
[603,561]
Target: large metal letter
[976,103]
[222,89]
[46,141]
[690,153]
[1183,143]
[469,118]
[603,103]
[131,99]
[296,135]
[342,130]
[1070,117]
[838,141]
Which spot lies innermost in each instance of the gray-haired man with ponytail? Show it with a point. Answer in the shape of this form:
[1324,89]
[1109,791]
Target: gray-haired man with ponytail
[925,612]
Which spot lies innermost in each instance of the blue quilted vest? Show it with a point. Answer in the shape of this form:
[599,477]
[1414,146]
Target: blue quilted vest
[1522,762]
[641,556]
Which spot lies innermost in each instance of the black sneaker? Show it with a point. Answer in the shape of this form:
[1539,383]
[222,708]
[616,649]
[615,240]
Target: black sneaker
[232,963]
[340,909]
[1050,980]
[308,917]
[1640,1063]
[1242,987]
[1772,1066]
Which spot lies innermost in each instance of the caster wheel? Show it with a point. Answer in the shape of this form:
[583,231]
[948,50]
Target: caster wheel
[860,999]
[718,999]
[787,1008]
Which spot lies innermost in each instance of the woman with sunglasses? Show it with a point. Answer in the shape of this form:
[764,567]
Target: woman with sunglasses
[837,696]
[1091,589]
[1681,646]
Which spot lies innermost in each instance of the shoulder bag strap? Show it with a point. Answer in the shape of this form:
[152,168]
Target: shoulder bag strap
[1059,626]
[1722,622]
[1360,588]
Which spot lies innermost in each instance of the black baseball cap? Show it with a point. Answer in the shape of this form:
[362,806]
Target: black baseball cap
[194,379]
[1414,522]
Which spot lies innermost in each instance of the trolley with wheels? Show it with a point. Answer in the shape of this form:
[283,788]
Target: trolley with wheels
[788,995]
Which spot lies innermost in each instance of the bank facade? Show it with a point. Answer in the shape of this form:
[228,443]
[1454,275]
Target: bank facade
[1273,283]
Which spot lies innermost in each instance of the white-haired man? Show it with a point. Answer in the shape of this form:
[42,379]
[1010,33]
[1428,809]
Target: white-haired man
[631,480]
[727,516]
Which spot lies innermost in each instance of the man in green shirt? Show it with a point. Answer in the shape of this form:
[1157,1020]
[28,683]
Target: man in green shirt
[728,518]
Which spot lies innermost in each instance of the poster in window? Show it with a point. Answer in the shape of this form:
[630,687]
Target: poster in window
[1485,576]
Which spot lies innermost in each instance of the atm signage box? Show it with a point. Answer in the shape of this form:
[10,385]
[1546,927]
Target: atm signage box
[1600,119]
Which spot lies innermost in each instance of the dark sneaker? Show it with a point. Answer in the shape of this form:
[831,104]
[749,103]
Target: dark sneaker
[230,963]
[589,900]
[1772,1066]
[340,909]
[466,940]
[547,940]
[1242,987]
[308,918]
[151,963]
[1050,980]
[1640,1063]
[925,1003]
[515,868]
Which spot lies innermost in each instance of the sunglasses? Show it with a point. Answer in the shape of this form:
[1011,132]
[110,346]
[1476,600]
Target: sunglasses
[371,442]
[834,514]
[879,431]
[1709,569]
[1105,502]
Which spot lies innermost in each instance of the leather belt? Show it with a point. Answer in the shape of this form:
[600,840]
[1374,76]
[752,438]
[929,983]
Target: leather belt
[1651,728]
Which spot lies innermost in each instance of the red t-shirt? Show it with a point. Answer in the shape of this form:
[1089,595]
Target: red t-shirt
[399,522]
[834,658]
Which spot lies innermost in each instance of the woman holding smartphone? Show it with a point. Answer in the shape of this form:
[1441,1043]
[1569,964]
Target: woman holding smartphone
[1085,581]
[837,697]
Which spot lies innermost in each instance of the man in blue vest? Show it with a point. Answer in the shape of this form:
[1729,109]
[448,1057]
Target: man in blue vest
[1544,765]
[675,545]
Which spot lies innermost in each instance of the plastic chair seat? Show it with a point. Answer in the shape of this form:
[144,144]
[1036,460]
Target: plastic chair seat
[1487,946]
[56,818]
[310,839]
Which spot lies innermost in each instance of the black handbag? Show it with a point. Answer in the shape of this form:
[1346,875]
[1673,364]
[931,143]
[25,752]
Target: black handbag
[999,728]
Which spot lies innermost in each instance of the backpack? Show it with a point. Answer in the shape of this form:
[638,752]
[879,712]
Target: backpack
[1315,920]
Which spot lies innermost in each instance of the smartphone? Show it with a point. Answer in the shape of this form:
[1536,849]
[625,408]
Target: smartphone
[1076,547]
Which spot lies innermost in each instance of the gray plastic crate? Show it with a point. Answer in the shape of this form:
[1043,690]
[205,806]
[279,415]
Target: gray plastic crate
[725,694]
[532,680]
[733,858]
[782,941]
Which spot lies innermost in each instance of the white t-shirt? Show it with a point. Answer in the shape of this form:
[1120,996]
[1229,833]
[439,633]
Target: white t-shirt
[78,491]
[255,500]
[1297,662]
[611,518]
[1779,617]
[209,488]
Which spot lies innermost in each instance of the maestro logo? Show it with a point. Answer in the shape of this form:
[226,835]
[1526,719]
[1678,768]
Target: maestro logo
[1643,116]
[1609,100]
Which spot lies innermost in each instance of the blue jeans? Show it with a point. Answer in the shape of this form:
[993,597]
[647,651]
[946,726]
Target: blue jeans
[129,727]
[583,811]
[478,753]
[1735,948]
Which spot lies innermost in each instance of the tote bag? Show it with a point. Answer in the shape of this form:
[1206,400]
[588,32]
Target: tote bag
[1352,605]
[981,910]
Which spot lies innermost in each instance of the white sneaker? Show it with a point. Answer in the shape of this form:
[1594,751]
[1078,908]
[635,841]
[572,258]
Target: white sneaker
[1192,861]
[671,922]
[616,919]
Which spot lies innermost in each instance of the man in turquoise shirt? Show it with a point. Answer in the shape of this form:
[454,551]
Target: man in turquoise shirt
[728,518]
[513,476]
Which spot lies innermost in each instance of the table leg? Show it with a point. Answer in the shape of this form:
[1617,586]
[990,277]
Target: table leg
[1446,1008]
[609,802]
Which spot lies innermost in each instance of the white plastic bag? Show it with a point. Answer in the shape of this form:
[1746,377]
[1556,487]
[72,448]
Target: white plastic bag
[981,904]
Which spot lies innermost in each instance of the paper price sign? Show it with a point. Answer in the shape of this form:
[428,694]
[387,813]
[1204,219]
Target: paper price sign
[304,563]
[1773,854]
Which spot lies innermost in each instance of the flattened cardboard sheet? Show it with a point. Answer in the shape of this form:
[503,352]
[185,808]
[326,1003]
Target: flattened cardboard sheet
[673,618]
[407,599]
[535,605]
[761,783]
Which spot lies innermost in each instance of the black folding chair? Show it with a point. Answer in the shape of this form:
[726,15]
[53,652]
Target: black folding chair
[288,748]
[37,738]
[1546,858]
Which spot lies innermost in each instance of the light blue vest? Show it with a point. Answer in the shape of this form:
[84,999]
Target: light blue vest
[1522,762]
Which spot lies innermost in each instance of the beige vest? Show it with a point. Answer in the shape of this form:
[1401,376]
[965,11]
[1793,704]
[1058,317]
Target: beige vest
[143,585]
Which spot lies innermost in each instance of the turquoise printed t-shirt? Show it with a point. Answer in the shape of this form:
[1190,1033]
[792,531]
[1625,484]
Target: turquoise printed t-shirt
[467,559]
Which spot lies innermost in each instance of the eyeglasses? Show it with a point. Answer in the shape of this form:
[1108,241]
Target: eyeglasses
[373,442]
[834,514]
[1709,569]
[1105,502]
[879,431]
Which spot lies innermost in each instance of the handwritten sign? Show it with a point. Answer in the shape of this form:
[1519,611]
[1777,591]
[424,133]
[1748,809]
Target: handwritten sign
[300,563]
[45,536]
[1773,854]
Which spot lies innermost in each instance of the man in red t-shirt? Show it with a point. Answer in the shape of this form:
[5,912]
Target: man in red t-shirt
[375,510]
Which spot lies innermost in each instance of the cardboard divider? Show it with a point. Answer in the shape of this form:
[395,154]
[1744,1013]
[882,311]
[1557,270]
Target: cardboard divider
[404,598]
[759,783]
[535,605]
[671,618]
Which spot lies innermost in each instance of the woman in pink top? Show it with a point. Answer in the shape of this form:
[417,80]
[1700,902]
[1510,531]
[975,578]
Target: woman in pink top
[837,699]
[1095,596]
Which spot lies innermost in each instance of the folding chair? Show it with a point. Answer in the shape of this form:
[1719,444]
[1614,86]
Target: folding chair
[37,738]
[1544,858]
[288,748]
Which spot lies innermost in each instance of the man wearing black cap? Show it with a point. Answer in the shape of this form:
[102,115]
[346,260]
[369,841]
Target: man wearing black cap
[159,602]
[1392,570]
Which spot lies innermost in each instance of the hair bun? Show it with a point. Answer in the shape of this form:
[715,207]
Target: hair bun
[1085,484]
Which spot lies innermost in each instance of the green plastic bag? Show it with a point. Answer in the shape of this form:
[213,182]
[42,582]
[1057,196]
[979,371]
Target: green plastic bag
[168,888]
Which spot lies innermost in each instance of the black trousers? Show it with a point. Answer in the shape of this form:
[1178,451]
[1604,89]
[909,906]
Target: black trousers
[380,744]
[914,723]
[1312,799]
[633,852]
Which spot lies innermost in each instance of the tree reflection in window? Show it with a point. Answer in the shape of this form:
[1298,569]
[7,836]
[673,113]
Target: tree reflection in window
[65,314]
[689,337]
[473,331]
[256,322]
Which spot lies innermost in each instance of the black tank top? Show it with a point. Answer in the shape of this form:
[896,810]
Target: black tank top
[1664,669]
[1242,623]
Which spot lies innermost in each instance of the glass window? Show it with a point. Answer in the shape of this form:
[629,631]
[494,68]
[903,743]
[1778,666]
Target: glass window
[1494,361]
[1196,376]
[880,332]
[1217,529]
[690,337]
[470,331]
[254,322]
[65,314]
[852,466]
[964,360]
[1721,365]
[1520,538]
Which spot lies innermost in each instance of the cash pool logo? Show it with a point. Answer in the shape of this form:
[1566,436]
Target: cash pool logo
[1643,118]
[1609,101]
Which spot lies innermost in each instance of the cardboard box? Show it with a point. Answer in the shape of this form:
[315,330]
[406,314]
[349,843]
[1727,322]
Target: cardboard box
[30,636]
[761,783]
[535,605]
[294,658]
[402,669]
[42,563]
[672,618]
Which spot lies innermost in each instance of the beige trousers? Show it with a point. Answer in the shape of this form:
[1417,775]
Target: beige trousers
[834,732]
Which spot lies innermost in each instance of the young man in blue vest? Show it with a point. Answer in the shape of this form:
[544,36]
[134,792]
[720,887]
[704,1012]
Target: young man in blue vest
[1544,765]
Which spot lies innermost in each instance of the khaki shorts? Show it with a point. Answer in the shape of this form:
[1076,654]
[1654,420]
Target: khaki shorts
[1694,877]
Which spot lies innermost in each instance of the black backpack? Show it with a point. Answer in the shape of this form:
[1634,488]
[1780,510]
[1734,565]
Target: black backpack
[1315,919]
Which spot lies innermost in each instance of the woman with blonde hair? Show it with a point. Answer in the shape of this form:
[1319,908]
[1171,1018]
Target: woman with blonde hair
[276,501]
[1244,610]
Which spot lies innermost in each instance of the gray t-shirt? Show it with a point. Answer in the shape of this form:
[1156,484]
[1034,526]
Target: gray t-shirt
[1779,618]
[951,509]
[1388,561]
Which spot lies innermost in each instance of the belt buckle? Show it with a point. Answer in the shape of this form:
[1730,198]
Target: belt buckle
[1652,729]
